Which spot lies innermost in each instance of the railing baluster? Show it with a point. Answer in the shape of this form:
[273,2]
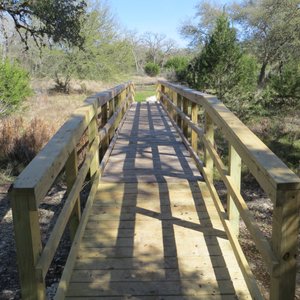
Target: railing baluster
[174,98]
[234,165]
[185,109]
[104,142]
[122,99]
[285,244]
[209,134]
[71,174]
[111,107]
[179,105]
[28,243]
[93,135]
[195,121]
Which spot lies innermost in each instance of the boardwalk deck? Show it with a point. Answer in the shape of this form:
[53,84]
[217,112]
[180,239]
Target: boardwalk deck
[153,232]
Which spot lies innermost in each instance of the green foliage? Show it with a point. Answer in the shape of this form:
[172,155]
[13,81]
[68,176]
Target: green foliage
[223,69]
[179,65]
[217,67]
[241,98]
[59,20]
[286,84]
[104,54]
[271,29]
[14,86]
[152,69]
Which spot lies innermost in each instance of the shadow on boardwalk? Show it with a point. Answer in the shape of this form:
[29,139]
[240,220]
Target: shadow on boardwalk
[151,235]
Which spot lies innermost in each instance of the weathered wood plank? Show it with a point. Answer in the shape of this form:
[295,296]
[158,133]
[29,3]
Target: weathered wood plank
[28,245]
[285,231]
[71,174]
[193,287]
[157,297]
[235,165]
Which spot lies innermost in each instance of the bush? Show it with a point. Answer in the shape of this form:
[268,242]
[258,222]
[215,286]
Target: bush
[14,87]
[152,69]
[179,65]
[286,85]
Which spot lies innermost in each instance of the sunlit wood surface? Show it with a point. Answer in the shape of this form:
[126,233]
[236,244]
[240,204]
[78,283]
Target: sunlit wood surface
[154,232]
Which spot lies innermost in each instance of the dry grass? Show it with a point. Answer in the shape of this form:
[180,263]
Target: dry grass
[20,141]
[24,133]
[55,107]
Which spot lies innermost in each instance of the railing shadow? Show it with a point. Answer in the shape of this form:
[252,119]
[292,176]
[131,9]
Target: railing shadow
[161,233]
[151,256]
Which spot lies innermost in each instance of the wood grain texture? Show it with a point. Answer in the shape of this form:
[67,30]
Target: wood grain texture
[151,233]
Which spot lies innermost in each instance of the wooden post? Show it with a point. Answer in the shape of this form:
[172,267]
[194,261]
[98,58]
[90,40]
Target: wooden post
[179,105]
[284,242]
[165,102]
[158,88]
[104,143]
[209,134]
[28,243]
[185,111]
[175,97]
[123,98]
[195,121]
[235,165]
[104,114]
[131,89]
[127,97]
[93,135]
[71,174]
[111,107]
[161,98]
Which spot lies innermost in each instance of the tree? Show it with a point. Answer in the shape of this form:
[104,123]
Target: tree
[104,54]
[14,86]
[271,32]
[216,68]
[56,19]
[206,15]
[157,47]
[286,85]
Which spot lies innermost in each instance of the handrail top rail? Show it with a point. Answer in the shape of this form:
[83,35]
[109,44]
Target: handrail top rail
[247,144]
[103,97]
[45,165]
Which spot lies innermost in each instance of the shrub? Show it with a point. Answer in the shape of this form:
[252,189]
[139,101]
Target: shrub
[179,65]
[286,86]
[152,69]
[14,86]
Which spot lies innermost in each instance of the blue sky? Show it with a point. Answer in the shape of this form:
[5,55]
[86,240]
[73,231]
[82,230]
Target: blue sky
[159,16]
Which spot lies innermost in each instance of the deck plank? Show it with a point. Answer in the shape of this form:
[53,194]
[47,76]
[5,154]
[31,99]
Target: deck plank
[153,231]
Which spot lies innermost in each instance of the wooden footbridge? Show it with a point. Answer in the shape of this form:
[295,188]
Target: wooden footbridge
[153,225]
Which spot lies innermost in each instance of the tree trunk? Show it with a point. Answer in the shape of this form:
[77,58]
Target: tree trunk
[262,76]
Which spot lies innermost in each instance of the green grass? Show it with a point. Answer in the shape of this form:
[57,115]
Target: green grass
[144,92]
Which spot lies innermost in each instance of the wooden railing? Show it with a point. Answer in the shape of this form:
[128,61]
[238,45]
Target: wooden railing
[280,183]
[95,122]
